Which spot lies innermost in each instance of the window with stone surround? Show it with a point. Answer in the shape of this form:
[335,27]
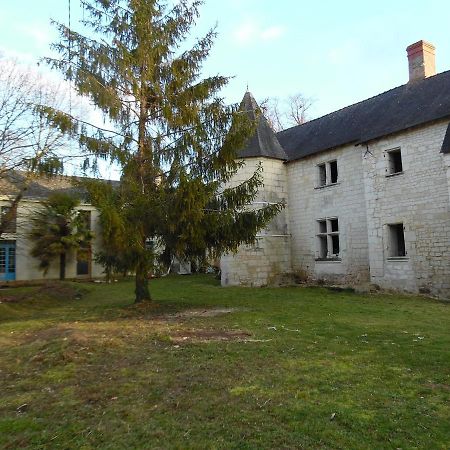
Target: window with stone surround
[328,247]
[327,173]
[394,162]
[10,217]
[396,240]
[85,216]
[84,254]
[322,175]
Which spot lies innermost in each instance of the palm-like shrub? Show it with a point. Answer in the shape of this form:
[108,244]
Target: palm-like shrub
[58,229]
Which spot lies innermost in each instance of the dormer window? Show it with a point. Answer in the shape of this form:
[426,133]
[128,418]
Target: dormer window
[327,173]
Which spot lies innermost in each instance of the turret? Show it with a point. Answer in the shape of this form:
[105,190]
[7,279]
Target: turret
[268,261]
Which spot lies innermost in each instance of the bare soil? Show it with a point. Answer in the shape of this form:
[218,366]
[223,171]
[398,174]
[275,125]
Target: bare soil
[208,312]
[199,336]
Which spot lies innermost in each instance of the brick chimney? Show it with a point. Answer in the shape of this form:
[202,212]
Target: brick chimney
[421,60]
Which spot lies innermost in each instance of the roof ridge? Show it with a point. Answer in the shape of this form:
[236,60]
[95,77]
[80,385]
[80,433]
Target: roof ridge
[362,101]
[397,109]
[59,175]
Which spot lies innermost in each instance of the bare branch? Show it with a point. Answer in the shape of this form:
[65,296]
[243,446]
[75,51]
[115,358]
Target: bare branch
[298,108]
[271,111]
[289,112]
[28,144]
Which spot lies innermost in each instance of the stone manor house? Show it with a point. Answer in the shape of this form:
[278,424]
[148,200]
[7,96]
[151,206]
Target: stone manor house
[366,188]
[367,191]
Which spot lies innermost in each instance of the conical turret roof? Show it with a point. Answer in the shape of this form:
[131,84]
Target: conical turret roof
[264,142]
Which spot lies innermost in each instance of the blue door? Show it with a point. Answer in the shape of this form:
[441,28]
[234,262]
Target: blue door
[7,261]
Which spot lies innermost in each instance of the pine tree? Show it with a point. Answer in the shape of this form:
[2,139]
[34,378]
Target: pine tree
[174,137]
[57,229]
[115,255]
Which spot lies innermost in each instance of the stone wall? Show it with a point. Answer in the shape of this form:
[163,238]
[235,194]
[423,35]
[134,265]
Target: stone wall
[367,200]
[446,159]
[268,260]
[343,200]
[419,198]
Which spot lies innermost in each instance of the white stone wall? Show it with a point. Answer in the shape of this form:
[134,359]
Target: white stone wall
[27,267]
[344,200]
[268,261]
[446,159]
[418,198]
[365,200]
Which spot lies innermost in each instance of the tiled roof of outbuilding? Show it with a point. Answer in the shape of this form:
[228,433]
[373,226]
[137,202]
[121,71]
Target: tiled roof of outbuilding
[41,187]
[404,107]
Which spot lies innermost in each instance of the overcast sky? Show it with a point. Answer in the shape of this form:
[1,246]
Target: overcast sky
[337,52]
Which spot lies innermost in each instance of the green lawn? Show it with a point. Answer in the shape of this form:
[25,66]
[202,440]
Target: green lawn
[280,368]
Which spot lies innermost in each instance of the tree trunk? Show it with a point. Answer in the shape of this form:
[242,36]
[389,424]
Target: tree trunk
[62,266]
[108,274]
[142,292]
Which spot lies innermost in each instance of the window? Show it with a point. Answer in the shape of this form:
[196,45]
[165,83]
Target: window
[322,175]
[396,238]
[394,162]
[11,219]
[328,247]
[322,239]
[327,173]
[85,217]
[84,254]
[333,172]
[7,260]
[84,261]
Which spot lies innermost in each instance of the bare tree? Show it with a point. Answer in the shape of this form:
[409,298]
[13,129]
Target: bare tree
[270,108]
[289,112]
[298,109]
[27,142]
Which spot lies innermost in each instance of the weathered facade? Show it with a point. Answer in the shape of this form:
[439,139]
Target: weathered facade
[367,191]
[16,262]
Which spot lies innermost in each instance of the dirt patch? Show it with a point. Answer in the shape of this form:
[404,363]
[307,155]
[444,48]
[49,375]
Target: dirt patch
[54,290]
[189,336]
[117,333]
[60,291]
[10,299]
[444,387]
[58,332]
[209,312]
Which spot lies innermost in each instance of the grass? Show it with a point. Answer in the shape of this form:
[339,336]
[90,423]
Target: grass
[82,368]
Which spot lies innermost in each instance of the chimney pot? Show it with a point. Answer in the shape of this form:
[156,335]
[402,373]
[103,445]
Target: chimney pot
[421,60]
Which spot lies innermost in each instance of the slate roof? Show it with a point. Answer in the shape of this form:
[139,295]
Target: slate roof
[40,188]
[403,107]
[264,142]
